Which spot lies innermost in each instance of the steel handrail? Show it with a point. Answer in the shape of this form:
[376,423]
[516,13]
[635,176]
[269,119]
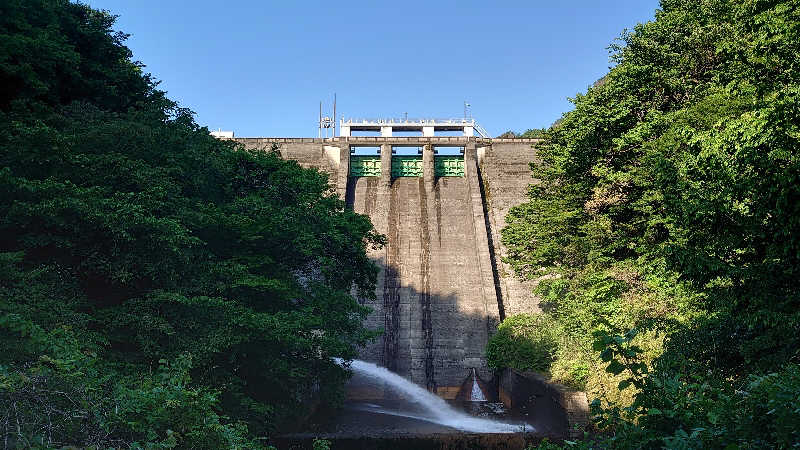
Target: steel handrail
[407,121]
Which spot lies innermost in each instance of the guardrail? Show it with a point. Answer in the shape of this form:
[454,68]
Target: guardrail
[391,121]
[483,133]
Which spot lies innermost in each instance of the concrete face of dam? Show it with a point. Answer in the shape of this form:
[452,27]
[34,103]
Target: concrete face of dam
[443,287]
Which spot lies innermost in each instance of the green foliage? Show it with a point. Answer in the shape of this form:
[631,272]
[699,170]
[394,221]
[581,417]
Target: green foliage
[181,290]
[55,52]
[667,203]
[672,411]
[533,133]
[69,395]
[321,444]
[524,342]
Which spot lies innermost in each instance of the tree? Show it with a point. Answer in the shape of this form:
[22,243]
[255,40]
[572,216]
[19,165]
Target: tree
[667,200]
[129,234]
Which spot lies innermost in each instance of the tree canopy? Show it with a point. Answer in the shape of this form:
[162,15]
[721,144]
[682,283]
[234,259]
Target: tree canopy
[667,202]
[157,286]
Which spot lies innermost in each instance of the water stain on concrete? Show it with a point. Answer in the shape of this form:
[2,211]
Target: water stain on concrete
[391,286]
[425,294]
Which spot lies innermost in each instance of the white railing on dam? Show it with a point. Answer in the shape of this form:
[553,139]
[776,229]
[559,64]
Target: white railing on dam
[406,121]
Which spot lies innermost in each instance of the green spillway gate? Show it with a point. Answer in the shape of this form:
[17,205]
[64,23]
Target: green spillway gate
[448,166]
[365,166]
[406,166]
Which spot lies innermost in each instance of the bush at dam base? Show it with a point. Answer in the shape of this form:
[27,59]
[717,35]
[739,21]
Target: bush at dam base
[524,342]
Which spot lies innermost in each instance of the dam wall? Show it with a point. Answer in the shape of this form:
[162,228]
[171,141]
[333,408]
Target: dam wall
[506,174]
[442,288]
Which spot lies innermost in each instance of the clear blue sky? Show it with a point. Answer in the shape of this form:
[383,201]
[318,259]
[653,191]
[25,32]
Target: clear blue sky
[260,68]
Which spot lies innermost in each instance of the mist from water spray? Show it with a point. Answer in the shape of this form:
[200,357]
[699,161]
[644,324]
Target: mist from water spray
[435,409]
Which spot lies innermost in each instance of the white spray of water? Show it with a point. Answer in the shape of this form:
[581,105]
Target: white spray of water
[477,394]
[435,409]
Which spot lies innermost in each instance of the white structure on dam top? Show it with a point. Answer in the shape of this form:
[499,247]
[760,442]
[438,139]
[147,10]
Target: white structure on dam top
[428,127]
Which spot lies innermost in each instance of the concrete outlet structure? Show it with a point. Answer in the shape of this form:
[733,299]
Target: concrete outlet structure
[443,287]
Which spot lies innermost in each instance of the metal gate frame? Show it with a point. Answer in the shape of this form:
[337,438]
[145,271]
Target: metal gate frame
[406,166]
[365,166]
[448,166]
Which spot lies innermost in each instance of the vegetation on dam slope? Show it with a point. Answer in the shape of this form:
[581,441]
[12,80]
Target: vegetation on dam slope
[669,204]
[159,288]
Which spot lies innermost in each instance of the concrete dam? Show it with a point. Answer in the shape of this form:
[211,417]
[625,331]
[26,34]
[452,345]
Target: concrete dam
[443,287]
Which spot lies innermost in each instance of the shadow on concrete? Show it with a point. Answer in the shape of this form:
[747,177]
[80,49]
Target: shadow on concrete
[434,302]
[427,337]
[454,347]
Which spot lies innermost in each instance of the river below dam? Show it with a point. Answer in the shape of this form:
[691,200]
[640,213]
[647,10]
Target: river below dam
[408,416]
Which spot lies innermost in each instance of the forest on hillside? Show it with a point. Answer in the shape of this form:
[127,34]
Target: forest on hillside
[159,288]
[664,230]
